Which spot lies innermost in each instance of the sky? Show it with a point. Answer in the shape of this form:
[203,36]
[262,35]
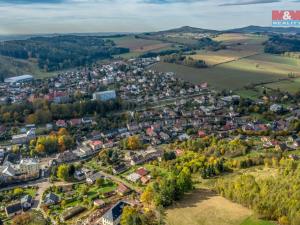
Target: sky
[68,16]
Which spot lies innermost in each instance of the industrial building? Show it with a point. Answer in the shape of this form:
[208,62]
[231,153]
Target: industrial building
[105,95]
[19,79]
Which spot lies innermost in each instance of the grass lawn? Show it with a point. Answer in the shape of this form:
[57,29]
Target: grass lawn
[252,94]
[291,86]
[203,207]
[254,221]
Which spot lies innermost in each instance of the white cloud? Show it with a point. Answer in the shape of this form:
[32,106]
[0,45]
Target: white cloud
[129,15]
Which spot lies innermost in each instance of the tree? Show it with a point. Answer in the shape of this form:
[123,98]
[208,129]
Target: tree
[184,180]
[18,192]
[100,182]
[22,219]
[147,196]
[131,216]
[62,132]
[133,142]
[63,172]
[40,149]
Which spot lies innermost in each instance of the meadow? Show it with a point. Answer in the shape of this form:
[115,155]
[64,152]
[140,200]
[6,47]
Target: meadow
[292,85]
[237,74]
[204,207]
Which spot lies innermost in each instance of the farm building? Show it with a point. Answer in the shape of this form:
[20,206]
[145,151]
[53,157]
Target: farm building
[19,79]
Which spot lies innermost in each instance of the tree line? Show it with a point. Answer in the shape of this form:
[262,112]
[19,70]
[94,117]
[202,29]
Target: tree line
[274,197]
[185,60]
[42,111]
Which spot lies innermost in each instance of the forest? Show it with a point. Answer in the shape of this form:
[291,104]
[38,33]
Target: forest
[279,44]
[273,197]
[185,60]
[61,52]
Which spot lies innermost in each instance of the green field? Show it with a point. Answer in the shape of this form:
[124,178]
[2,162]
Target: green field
[292,85]
[237,74]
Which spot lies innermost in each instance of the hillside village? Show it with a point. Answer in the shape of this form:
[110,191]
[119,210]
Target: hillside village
[127,120]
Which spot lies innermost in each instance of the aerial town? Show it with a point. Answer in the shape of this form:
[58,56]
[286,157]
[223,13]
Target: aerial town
[84,166]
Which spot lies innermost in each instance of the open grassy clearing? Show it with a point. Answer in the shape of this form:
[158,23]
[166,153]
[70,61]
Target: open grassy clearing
[203,207]
[138,44]
[220,77]
[222,56]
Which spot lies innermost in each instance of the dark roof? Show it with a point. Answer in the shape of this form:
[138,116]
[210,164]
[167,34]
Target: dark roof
[52,197]
[14,208]
[116,211]
[26,198]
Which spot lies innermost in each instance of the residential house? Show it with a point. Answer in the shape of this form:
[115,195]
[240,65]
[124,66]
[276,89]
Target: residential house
[281,147]
[92,178]
[26,202]
[123,189]
[296,143]
[13,210]
[75,122]
[145,179]
[136,160]
[119,169]
[142,171]
[133,177]
[99,203]
[113,215]
[201,133]
[79,175]
[23,138]
[51,199]
[66,156]
[276,108]
[96,145]
[61,123]
[29,166]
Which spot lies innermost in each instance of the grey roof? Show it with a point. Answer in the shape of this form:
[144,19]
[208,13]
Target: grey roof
[50,197]
[14,208]
[9,171]
[115,212]
[26,199]
[18,78]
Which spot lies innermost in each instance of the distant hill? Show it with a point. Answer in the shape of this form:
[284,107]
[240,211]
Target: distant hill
[186,29]
[248,29]
[258,29]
